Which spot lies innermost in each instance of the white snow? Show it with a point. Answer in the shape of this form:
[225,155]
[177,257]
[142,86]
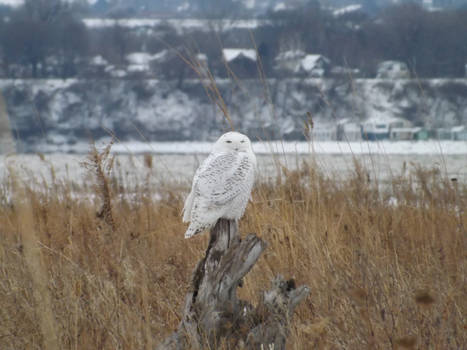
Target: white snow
[310,62]
[287,126]
[183,7]
[118,73]
[180,25]
[347,9]
[57,139]
[39,84]
[290,54]
[384,147]
[201,57]
[279,7]
[413,130]
[297,60]
[231,54]
[13,3]
[323,147]
[458,128]
[132,172]
[383,118]
[140,61]
[99,61]
[139,58]
[392,70]
[161,55]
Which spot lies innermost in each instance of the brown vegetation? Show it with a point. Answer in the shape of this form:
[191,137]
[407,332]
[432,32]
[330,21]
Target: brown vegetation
[385,263]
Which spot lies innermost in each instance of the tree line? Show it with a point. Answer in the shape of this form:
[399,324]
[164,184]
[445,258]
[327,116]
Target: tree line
[47,38]
[432,44]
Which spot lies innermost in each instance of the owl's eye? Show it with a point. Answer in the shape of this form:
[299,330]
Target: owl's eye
[228,141]
[242,141]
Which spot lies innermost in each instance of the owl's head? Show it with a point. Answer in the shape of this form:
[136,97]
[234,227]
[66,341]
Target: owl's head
[233,141]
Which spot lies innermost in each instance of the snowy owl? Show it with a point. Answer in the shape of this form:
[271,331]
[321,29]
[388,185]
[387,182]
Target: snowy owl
[222,184]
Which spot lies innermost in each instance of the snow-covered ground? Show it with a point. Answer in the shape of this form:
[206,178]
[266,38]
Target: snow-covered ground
[131,169]
[431,147]
[180,25]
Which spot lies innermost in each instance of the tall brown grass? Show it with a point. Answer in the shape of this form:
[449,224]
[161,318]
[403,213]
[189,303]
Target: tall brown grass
[386,264]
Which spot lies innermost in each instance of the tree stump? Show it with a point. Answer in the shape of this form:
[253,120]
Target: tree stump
[213,315]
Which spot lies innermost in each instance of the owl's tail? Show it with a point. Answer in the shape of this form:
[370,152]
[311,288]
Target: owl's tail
[191,232]
[194,229]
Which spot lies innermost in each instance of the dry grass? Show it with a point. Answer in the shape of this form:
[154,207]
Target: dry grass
[382,276]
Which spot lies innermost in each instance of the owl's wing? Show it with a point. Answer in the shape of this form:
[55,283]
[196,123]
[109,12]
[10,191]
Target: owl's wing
[224,176]
[186,211]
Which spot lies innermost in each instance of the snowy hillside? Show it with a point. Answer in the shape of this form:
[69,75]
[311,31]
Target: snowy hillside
[58,112]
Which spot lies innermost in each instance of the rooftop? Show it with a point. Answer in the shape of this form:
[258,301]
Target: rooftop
[232,54]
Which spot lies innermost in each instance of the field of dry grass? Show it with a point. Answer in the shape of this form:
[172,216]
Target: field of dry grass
[386,264]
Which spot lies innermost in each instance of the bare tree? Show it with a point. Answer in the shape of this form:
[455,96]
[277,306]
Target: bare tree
[70,53]
[21,47]
[40,30]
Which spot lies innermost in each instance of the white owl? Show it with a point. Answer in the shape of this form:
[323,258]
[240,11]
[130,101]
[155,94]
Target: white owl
[222,184]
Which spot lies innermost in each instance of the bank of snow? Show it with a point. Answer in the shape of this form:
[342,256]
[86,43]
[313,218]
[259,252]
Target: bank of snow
[323,147]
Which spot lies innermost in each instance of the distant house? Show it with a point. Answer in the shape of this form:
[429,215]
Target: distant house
[290,60]
[459,133]
[315,65]
[297,62]
[231,55]
[456,133]
[347,130]
[443,134]
[392,70]
[422,135]
[241,61]
[324,132]
[401,134]
[380,127]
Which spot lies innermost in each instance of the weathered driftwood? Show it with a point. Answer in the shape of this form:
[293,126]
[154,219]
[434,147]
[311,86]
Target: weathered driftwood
[213,315]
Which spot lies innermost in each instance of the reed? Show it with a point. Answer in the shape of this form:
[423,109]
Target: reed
[385,263]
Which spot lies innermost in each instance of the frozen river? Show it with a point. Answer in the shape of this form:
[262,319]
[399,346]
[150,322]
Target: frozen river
[179,168]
